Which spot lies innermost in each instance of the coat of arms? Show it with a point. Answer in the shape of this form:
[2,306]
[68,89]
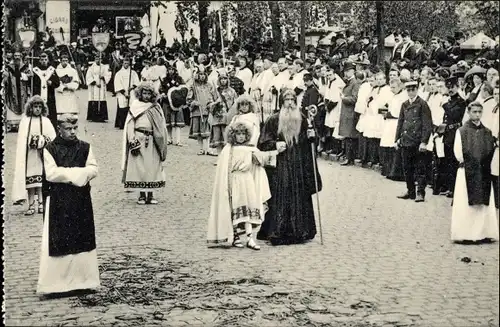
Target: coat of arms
[100,41]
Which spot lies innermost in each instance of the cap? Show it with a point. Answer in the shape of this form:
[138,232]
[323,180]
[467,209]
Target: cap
[411,84]
[349,65]
[459,35]
[451,81]
[459,74]
[450,39]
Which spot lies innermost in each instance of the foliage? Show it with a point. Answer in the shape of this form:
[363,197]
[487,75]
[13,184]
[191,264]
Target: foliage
[422,18]
[477,16]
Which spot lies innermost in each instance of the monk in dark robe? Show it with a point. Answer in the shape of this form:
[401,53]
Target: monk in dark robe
[45,81]
[290,218]
[15,83]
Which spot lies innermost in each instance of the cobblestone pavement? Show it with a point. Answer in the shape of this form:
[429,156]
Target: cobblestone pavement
[393,254]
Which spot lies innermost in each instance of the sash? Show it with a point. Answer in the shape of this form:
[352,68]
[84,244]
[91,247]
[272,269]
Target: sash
[44,76]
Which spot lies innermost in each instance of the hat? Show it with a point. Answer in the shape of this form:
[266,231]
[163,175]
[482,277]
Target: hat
[340,36]
[411,84]
[451,81]
[348,33]
[459,35]
[419,39]
[459,73]
[405,33]
[450,39]
[349,65]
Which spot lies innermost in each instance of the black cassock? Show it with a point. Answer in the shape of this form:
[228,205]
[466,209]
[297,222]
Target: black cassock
[290,218]
[39,87]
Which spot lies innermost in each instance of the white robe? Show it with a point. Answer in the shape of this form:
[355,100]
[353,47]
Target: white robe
[123,79]
[279,81]
[373,120]
[363,94]
[74,271]
[19,192]
[390,126]
[265,86]
[332,93]
[94,74]
[66,100]
[245,75]
[437,113]
[488,116]
[470,223]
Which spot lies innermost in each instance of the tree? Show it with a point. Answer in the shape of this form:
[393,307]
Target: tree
[477,16]
[276,27]
[422,18]
[204,22]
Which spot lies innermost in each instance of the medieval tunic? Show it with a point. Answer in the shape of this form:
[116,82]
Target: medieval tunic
[144,127]
[42,77]
[15,84]
[29,162]
[66,101]
[219,112]
[68,257]
[290,218]
[240,190]
[123,80]
[202,94]
[473,215]
[97,109]
[173,117]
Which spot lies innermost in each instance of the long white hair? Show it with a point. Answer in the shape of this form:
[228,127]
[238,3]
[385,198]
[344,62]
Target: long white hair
[290,120]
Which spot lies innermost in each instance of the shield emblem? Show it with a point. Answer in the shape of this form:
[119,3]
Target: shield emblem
[177,96]
[100,41]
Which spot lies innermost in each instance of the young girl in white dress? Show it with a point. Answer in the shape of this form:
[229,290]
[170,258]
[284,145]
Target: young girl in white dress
[35,132]
[240,190]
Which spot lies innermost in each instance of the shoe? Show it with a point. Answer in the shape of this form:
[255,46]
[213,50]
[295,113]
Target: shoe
[40,207]
[237,242]
[407,196]
[141,201]
[346,163]
[31,210]
[358,161]
[251,245]
[450,195]
[420,198]
[151,201]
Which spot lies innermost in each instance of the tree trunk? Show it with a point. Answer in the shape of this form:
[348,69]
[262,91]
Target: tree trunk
[380,33]
[276,28]
[303,30]
[204,24]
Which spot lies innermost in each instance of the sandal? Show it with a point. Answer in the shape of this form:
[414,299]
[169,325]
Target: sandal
[31,210]
[201,153]
[253,246]
[40,207]
[212,154]
[141,201]
[237,242]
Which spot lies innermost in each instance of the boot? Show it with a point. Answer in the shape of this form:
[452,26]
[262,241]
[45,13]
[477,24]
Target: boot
[420,197]
[407,196]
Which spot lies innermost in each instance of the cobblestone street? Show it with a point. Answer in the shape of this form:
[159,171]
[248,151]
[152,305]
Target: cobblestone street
[393,256]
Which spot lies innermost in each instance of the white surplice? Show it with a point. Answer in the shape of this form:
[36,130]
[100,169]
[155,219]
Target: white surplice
[373,120]
[437,112]
[470,223]
[94,74]
[124,79]
[66,100]
[333,93]
[390,126]
[245,75]
[363,94]
[74,271]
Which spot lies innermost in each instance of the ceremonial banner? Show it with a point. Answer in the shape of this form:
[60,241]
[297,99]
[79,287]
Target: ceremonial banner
[100,41]
[58,16]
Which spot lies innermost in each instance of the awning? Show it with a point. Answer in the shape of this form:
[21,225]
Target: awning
[474,43]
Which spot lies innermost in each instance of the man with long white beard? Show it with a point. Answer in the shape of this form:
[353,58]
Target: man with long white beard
[290,218]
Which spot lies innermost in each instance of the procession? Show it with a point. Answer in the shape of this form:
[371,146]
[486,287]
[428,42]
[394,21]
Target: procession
[263,138]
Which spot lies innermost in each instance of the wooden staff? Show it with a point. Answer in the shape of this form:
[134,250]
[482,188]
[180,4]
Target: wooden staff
[99,88]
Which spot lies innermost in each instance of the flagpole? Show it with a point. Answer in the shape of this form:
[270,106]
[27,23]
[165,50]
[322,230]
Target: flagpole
[222,40]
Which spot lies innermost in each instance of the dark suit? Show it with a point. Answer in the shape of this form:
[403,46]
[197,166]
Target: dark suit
[454,111]
[373,54]
[349,118]
[419,59]
[414,128]
[353,48]
[439,55]
[409,52]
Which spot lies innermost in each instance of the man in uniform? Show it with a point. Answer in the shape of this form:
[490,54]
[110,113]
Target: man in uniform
[412,135]
[454,110]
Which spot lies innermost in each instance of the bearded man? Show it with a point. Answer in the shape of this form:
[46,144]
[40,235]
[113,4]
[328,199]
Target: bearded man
[45,81]
[290,218]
